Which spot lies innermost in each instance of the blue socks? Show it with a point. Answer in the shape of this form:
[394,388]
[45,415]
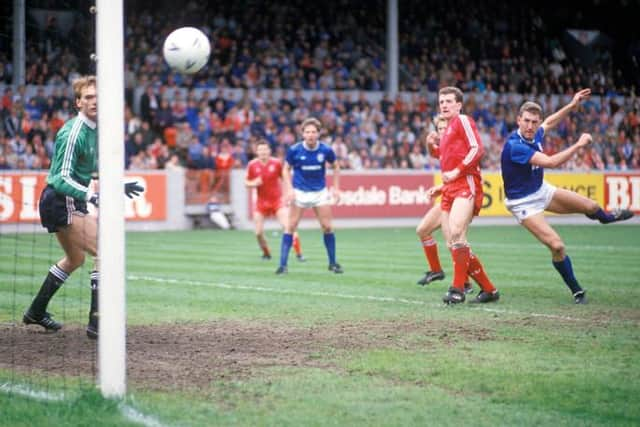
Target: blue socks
[330,244]
[602,216]
[566,271]
[285,247]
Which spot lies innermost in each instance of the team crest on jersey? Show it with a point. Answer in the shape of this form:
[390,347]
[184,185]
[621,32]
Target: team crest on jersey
[271,168]
[320,157]
[303,157]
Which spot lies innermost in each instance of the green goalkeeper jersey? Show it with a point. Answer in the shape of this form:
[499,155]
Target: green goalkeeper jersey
[74,158]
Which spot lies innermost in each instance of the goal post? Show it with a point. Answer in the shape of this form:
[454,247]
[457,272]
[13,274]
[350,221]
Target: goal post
[111,236]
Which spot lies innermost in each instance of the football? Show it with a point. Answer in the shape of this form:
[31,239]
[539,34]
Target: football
[186,50]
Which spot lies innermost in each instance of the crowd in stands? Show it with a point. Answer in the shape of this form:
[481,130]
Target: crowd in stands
[296,46]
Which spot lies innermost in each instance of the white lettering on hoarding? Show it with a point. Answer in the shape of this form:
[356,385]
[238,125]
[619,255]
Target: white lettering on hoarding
[29,210]
[372,196]
[401,196]
[6,202]
[624,192]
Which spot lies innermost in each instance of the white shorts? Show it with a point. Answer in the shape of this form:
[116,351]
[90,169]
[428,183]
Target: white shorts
[311,199]
[532,204]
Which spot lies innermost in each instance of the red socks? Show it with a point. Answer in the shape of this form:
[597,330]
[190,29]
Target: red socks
[296,244]
[461,258]
[477,272]
[430,248]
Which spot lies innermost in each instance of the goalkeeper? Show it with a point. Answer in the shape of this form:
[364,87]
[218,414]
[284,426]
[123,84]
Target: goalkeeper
[63,206]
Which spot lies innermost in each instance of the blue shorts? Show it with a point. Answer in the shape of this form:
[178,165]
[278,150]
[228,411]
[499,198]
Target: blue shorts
[57,210]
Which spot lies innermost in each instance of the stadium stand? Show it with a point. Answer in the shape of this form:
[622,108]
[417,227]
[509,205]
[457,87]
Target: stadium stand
[269,70]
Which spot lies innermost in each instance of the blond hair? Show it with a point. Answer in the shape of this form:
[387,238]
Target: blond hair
[438,119]
[81,83]
[531,108]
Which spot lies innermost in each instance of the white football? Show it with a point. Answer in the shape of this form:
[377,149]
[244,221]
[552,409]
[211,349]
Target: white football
[186,50]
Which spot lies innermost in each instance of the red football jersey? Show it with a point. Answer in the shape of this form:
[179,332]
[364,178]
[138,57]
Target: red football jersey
[460,147]
[270,172]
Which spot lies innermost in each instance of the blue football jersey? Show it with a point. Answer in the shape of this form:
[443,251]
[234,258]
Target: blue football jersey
[309,165]
[520,177]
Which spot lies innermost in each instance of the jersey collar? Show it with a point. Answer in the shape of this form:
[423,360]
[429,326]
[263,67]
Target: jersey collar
[522,138]
[86,120]
[304,144]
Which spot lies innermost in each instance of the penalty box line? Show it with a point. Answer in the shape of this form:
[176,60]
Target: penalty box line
[372,298]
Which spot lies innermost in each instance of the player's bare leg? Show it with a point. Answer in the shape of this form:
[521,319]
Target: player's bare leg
[430,222]
[258,219]
[81,237]
[323,213]
[283,216]
[568,202]
[75,239]
[540,228]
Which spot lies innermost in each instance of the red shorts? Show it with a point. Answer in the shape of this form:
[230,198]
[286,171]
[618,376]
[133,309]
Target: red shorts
[269,207]
[468,187]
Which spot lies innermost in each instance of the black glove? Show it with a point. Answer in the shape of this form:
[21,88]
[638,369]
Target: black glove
[133,189]
[94,199]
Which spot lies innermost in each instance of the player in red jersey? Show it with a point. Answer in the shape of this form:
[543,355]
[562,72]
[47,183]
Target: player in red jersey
[430,222]
[265,174]
[460,154]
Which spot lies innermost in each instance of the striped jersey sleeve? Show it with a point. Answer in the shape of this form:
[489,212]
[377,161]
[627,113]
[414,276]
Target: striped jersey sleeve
[476,149]
[64,174]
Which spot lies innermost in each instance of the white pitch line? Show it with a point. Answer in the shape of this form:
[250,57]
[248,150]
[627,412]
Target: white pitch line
[26,391]
[129,412]
[132,414]
[339,295]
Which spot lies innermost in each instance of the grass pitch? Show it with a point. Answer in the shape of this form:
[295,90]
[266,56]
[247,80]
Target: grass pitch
[368,347]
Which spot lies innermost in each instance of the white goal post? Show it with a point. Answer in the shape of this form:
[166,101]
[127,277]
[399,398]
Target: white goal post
[111,244]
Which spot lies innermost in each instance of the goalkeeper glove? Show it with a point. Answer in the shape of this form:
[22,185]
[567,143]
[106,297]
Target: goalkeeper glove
[93,199]
[133,189]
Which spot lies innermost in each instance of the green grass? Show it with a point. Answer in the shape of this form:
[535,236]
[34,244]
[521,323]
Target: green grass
[535,358]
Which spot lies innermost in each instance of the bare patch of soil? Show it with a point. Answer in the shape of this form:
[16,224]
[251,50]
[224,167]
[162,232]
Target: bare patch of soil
[190,355]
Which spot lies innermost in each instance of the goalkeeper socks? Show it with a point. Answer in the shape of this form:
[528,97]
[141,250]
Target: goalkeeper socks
[602,216]
[430,248]
[55,278]
[565,269]
[330,244]
[95,277]
[285,247]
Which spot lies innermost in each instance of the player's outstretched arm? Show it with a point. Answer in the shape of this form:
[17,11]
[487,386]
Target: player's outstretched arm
[554,119]
[541,159]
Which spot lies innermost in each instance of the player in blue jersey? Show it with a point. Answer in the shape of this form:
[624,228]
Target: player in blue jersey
[307,189]
[528,195]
